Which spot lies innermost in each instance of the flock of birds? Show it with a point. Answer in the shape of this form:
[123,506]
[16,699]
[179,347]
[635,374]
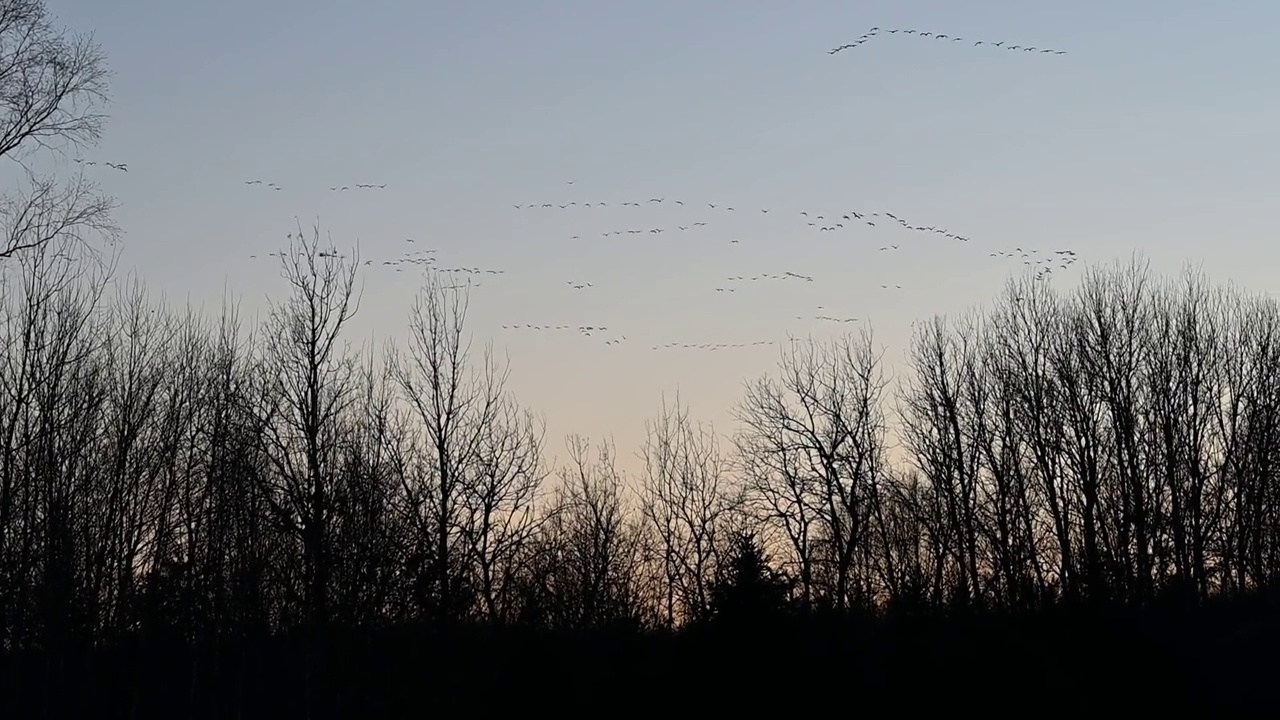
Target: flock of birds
[1042,262]
[122,167]
[823,223]
[927,34]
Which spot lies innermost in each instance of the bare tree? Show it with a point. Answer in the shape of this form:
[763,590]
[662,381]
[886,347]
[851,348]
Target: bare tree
[1184,374]
[51,86]
[906,531]
[129,492]
[1250,423]
[365,494]
[308,385]
[469,496]
[944,426]
[51,81]
[812,449]
[51,525]
[1106,339]
[688,496]
[589,573]
[501,504]
[234,536]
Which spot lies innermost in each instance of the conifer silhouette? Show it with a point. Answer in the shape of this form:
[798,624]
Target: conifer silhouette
[751,590]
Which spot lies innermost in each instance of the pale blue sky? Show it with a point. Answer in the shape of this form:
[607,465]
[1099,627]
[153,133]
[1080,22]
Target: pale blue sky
[1156,132]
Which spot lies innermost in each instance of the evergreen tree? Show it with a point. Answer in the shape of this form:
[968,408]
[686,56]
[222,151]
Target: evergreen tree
[751,589]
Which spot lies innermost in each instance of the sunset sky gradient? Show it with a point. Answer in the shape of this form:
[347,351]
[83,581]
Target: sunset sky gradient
[1155,133]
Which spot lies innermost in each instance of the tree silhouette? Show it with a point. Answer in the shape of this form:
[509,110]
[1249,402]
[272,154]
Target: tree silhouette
[689,501]
[751,590]
[52,89]
[812,448]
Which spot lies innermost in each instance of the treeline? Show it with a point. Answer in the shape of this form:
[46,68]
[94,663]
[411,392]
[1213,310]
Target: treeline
[172,478]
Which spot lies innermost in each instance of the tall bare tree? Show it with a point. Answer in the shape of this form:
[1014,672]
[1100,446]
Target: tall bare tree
[501,505]
[308,386]
[470,496]
[944,425]
[368,484]
[813,452]
[688,496]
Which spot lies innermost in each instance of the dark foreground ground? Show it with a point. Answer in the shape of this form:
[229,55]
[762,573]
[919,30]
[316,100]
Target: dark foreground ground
[1218,659]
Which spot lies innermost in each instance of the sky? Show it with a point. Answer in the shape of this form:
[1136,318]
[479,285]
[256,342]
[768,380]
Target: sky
[1154,133]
